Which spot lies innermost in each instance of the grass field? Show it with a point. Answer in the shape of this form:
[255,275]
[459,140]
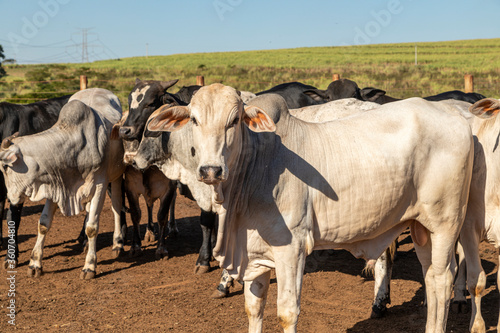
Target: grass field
[441,66]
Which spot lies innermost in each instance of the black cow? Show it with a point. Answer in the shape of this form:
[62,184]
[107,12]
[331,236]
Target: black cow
[146,97]
[24,119]
[379,96]
[298,95]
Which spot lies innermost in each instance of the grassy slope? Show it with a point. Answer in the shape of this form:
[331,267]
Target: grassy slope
[441,67]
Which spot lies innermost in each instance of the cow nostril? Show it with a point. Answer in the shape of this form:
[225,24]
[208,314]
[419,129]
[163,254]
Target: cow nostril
[211,172]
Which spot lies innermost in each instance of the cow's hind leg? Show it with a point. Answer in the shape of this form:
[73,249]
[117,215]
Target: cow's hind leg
[135,216]
[44,224]
[116,207]
[255,301]
[382,287]
[459,304]
[161,251]
[92,229]
[226,282]
[476,278]
[207,223]
[435,255]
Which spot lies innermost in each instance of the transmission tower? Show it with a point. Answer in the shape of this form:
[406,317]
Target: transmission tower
[85,52]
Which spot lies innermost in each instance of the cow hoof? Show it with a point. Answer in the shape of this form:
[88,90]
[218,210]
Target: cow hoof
[460,307]
[378,312]
[135,251]
[35,272]
[201,269]
[118,252]
[161,253]
[87,274]
[219,294]
[149,237]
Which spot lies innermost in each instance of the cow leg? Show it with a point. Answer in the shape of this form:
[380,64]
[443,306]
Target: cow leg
[172,225]
[161,251]
[439,267]
[255,300]
[92,228]
[226,282]
[149,236]
[207,223]
[44,224]
[382,275]
[116,207]
[135,216]
[289,276]
[459,304]
[476,278]
[13,219]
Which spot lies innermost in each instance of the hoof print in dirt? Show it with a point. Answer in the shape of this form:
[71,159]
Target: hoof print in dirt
[134,251]
[118,252]
[201,269]
[149,237]
[460,307]
[87,274]
[35,271]
[161,254]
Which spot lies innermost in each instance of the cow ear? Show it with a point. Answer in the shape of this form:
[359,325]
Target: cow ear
[485,108]
[167,84]
[115,132]
[168,119]
[9,156]
[137,81]
[371,94]
[317,95]
[257,120]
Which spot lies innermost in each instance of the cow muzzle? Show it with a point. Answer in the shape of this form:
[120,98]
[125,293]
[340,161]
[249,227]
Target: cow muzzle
[127,132]
[210,174]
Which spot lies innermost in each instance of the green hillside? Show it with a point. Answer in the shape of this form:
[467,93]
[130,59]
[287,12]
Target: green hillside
[441,67]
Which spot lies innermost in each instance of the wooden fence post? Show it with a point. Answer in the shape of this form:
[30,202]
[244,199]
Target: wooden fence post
[469,83]
[83,82]
[200,80]
[336,77]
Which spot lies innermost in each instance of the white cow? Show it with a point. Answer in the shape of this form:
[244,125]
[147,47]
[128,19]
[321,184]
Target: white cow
[483,211]
[354,183]
[70,165]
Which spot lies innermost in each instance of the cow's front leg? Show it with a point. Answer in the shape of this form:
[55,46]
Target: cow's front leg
[255,301]
[289,275]
[207,223]
[44,224]
[13,222]
[135,216]
[382,288]
[116,207]
[92,228]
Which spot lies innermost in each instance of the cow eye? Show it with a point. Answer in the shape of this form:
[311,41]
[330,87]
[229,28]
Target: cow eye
[195,123]
[235,122]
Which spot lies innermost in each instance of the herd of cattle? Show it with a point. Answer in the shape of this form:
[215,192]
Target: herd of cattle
[276,175]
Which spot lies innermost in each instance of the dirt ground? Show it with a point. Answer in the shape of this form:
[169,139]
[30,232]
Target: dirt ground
[145,295]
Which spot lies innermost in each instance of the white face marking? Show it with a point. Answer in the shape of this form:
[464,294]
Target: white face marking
[137,93]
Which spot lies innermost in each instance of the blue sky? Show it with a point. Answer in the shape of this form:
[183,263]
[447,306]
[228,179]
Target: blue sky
[52,30]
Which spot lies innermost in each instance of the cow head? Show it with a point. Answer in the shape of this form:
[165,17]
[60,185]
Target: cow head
[338,89]
[145,97]
[219,119]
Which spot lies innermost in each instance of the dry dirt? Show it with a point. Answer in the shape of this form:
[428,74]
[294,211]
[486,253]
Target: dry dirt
[145,295]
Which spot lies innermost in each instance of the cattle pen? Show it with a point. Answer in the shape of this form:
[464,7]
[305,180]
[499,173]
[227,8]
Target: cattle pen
[143,294]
